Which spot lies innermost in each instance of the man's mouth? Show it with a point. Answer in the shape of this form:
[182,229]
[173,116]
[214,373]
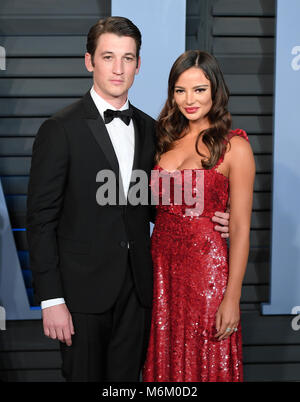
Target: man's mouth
[117,82]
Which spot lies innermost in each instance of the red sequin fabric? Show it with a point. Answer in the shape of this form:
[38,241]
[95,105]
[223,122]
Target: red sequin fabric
[190,260]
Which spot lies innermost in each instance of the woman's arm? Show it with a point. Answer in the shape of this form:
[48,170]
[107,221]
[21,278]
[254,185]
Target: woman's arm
[241,180]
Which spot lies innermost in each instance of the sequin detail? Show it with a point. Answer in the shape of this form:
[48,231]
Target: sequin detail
[190,261]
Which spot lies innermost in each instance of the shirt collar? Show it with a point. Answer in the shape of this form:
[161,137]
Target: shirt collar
[102,105]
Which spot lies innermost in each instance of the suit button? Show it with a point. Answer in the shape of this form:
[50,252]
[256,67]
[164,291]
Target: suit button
[123,243]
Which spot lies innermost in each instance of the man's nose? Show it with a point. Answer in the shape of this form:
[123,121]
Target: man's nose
[118,66]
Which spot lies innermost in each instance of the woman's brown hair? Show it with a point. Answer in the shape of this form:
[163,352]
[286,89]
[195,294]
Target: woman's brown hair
[172,124]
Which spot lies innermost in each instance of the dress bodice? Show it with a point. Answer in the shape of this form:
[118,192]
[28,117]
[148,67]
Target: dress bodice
[192,193]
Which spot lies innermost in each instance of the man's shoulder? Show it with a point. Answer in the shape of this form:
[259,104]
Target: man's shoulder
[70,112]
[143,115]
[65,119]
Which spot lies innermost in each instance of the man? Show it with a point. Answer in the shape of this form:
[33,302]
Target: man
[91,264]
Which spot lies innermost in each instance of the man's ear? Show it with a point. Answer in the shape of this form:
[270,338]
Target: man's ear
[138,65]
[88,62]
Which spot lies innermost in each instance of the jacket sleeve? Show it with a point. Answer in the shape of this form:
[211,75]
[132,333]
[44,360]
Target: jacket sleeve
[152,213]
[46,189]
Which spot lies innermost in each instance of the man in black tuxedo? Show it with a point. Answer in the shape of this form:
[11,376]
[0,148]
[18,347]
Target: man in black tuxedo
[91,263]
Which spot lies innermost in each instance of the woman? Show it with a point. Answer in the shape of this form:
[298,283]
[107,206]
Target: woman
[195,331]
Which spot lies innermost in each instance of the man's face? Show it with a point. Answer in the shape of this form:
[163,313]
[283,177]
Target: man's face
[115,66]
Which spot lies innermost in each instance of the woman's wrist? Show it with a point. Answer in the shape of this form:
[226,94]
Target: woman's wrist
[234,296]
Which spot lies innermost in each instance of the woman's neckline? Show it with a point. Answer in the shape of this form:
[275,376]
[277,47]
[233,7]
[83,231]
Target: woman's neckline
[200,169]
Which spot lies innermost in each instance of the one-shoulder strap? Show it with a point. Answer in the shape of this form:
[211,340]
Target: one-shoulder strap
[239,132]
[231,134]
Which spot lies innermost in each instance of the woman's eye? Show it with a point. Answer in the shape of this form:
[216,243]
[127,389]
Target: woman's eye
[178,91]
[200,90]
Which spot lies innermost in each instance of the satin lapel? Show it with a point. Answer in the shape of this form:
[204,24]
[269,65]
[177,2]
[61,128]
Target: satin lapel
[139,137]
[99,131]
[101,135]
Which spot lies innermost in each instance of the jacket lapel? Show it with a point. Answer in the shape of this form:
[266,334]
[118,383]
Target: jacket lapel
[100,133]
[139,136]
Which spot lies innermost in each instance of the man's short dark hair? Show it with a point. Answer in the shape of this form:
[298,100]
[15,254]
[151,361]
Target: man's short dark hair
[120,26]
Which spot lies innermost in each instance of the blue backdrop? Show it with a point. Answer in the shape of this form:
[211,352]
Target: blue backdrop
[162,24]
[285,253]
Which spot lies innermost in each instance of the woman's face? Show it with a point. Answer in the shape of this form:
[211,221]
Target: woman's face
[192,93]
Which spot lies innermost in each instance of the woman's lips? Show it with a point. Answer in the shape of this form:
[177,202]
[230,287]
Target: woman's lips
[191,110]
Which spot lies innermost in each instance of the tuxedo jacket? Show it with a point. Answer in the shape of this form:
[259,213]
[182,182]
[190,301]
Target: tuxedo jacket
[78,248]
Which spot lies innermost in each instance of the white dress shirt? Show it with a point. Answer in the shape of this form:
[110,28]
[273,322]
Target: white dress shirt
[122,138]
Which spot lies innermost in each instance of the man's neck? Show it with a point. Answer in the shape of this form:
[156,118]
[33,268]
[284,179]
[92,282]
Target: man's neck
[116,102]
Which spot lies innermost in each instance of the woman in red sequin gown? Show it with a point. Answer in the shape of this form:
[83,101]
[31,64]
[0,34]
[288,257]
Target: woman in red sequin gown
[195,331]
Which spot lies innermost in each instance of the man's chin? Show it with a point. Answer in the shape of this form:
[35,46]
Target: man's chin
[119,94]
[117,91]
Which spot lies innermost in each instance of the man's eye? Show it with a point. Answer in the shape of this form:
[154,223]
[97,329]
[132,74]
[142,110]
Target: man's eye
[107,57]
[129,59]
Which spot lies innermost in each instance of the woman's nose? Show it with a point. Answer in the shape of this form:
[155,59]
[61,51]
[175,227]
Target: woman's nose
[189,98]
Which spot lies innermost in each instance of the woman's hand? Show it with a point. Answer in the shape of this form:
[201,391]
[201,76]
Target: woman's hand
[227,317]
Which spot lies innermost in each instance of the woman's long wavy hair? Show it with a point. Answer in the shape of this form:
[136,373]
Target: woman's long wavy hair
[172,124]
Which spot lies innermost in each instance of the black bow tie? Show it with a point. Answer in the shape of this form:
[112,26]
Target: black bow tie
[125,115]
